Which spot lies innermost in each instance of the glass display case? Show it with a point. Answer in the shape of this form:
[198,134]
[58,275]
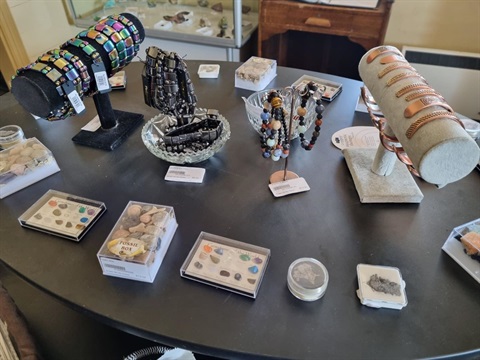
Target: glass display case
[223,23]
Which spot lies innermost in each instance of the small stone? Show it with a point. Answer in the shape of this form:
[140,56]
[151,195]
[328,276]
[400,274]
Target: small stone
[224,273]
[257,260]
[57,212]
[59,222]
[238,277]
[214,259]
[244,257]
[134,210]
[62,206]
[253,269]
[219,251]
[252,281]
[198,265]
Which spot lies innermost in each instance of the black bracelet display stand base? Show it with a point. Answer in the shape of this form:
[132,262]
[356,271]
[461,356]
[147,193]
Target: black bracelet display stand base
[109,139]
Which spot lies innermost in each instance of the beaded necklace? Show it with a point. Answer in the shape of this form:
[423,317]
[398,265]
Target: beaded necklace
[308,92]
[274,138]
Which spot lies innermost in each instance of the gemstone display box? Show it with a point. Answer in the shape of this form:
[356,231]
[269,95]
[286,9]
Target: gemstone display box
[62,214]
[226,264]
[137,244]
[24,164]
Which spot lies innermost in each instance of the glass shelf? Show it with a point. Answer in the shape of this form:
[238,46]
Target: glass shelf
[179,20]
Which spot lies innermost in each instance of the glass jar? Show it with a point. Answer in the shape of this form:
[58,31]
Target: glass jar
[10,135]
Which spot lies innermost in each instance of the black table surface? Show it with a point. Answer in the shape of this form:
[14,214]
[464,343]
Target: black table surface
[328,223]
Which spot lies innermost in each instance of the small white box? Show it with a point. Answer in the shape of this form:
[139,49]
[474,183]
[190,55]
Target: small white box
[24,164]
[255,74]
[381,287]
[138,242]
[208,71]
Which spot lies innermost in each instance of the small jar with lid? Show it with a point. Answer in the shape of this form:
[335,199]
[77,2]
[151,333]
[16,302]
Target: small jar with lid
[10,135]
[307,279]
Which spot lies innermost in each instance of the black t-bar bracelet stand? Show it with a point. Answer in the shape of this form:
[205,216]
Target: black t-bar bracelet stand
[116,125]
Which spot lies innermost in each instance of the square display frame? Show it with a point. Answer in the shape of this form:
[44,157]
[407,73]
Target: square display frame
[62,214]
[226,264]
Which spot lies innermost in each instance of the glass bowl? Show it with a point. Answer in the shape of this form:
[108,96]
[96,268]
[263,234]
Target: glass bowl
[254,107]
[154,130]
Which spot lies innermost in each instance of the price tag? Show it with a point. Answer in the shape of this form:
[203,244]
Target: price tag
[73,97]
[101,78]
[93,125]
[289,187]
[185,174]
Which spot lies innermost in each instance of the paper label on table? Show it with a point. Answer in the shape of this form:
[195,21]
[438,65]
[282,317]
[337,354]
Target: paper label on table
[93,125]
[289,187]
[185,174]
[356,137]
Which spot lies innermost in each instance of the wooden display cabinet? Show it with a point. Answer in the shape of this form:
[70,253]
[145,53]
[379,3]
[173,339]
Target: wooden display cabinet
[325,38]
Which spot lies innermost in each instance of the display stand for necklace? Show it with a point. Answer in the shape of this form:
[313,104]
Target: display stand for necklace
[440,151]
[116,126]
[284,175]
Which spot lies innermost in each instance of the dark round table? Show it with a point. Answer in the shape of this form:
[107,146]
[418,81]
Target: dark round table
[328,223]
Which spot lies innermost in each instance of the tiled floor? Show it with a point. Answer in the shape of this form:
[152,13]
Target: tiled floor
[64,334]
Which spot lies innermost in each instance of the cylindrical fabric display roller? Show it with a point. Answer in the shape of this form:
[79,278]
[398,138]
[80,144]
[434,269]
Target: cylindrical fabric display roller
[425,125]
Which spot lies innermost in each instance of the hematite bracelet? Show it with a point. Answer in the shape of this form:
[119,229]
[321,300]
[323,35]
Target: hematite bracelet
[122,39]
[167,85]
[106,43]
[69,70]
[206,130]
[79,65]
[130,27]
[85,47]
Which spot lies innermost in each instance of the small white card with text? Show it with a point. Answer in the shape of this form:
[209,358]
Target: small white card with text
[288,187]
[185,174]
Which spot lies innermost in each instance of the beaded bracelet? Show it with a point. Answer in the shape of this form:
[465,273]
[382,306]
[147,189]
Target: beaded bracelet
[308,93]
[85,47]
[167,85]
[58,79]
[69,70]
[273,141]
[78,64]
[106,43]
[122,39]
[130,27]
[101,78]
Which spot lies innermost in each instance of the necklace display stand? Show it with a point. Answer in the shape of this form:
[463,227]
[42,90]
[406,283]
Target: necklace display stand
[283,175]
[116,126]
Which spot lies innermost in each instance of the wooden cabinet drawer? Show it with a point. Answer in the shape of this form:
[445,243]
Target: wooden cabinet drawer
[291,15]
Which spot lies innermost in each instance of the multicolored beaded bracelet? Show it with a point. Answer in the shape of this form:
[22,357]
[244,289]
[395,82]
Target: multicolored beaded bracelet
[107,44]
[130,27]
[122,38]
[85,47]
[274,140]
[101,79]
[69,70]
[79,65]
